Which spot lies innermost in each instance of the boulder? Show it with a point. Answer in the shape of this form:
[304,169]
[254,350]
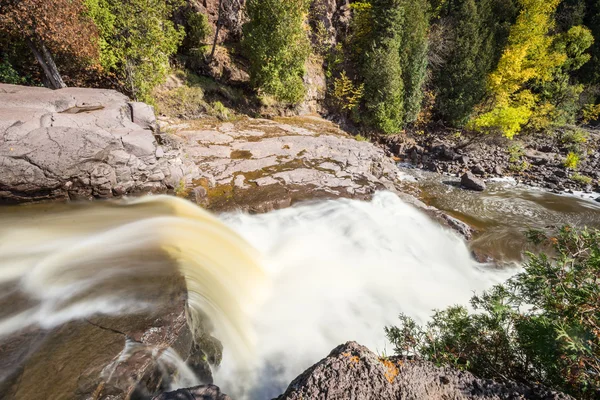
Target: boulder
[352,371]
[79,144]
[471,182]
[203,392]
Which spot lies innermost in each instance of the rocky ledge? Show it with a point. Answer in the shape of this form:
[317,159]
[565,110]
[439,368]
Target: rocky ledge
[90,143]
[352,371]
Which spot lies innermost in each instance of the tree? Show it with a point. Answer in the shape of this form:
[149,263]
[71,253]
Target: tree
[413,55]
[477,34]
[140,39]
[277,45]
[528,56]
[52,27]
[382,67]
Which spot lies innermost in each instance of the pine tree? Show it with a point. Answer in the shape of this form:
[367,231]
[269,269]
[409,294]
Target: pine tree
[381,68]
[478,33]
[414,56]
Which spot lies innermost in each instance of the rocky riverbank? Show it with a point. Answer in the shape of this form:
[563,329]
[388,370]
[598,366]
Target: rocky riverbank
[564,161]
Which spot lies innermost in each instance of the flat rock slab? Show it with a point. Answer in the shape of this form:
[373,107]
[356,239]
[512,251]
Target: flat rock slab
[260,164]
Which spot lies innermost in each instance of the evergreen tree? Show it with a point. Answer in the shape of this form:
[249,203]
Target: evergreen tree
[276,43]
[381,68]
[414,56]
[479,31]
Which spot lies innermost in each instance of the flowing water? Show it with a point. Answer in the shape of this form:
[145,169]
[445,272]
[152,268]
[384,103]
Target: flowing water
[280,289]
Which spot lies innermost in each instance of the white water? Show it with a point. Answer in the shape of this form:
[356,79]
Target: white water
[312,277]
[342,270]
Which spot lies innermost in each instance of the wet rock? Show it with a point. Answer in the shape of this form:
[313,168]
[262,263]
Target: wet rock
[598,199]
[471,182]
[204,392]
[354,369]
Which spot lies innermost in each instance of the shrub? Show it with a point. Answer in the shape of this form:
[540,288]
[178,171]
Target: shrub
[346,95]
[582,179]
[541,326]
[9,75]
[182,102]
[572,161]
[590,113]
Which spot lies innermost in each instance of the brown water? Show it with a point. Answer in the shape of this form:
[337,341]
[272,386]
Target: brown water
[505,211]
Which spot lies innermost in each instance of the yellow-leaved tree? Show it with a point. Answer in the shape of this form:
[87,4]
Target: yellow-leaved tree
[529,56]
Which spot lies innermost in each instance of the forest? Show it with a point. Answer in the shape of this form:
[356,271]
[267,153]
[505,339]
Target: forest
[492,66]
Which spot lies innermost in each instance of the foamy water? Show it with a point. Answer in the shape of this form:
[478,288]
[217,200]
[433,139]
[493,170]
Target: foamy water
[281,289]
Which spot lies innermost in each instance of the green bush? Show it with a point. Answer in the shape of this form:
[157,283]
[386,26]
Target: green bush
[276,43]
[541,326]
[9,75]
[199,30]
[582,179]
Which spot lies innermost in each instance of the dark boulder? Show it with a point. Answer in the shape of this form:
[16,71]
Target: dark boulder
[471,182]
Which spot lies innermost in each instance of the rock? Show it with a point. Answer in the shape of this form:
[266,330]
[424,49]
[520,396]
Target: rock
[353,371]
[464,160]
[204,392]
[560,173]
[471,182]
[598,199]
[460,227]
[80,144]
[478,170]
[498,170]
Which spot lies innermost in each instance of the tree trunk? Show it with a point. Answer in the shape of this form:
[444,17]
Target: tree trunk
[214,46]
[44,58]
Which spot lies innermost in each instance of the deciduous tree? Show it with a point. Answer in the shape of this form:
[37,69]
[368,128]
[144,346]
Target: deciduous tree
[52,27]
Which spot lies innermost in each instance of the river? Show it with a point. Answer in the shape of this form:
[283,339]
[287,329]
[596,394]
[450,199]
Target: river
[280,289]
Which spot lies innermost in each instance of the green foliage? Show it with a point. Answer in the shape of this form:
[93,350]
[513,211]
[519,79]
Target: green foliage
[541,326]
[414,56]
[582,179]
[277,45]
[9,75]
[220,111]
[183,102]
[573,139]
[382,67]
[100,12]
[199,30]
[590,113]
[139,39]
[572,161]
[477,35]
[346,94]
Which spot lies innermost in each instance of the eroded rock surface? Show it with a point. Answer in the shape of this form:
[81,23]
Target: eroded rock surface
[352,371]
[259,164]
[80,143]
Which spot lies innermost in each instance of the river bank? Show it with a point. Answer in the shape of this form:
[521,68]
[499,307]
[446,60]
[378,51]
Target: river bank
[565,160]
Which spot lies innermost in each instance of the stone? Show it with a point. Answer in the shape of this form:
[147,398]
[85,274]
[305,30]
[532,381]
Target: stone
[353,371]
[77,144]
[203,392]
[471,182]
[498,170]
[478,170]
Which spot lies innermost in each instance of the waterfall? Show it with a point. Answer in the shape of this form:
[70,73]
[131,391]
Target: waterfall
[280,289]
